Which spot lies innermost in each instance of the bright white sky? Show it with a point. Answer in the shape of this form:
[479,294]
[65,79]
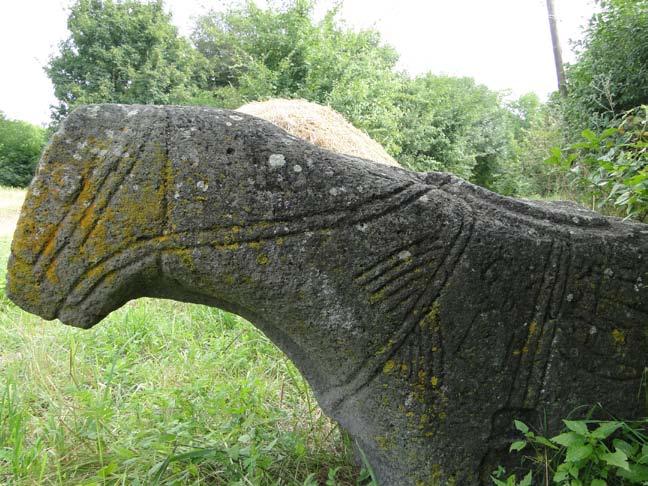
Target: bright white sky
[504,44]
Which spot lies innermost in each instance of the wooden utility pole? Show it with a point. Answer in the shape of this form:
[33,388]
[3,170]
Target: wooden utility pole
[560,71]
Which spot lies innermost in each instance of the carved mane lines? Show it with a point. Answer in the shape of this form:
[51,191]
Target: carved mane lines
[422,315]
[263,230]
[97,203]
[535,350]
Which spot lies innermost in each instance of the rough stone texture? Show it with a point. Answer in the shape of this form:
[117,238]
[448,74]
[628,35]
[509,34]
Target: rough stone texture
[425,312]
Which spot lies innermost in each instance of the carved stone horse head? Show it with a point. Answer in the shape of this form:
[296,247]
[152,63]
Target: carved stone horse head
[425,312]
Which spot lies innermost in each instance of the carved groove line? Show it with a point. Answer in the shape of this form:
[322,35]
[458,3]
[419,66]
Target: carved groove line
[59,224]
[372,367]
[165,242]
[526,347]
[389,281]
[555,229]
[383,265]
[536,343]
[541,365]
[385,196]
[42,266]
[521,342]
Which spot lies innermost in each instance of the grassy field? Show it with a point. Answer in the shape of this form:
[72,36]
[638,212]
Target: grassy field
[10,202]
[158,393]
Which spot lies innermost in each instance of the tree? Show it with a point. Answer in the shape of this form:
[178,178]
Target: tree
[254,53]
[537,127]
[611,73]
[120,51]
[21,144]
[127,51]
[455,125]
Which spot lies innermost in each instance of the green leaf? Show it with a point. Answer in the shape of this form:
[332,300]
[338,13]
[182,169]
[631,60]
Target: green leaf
[608,132]
[598,482]
[195,454]
[579,452]
[545,442]
[527,480]
[637,473]
[644,455]
[107,470]
[629,449]
[633,181]
[617,458]
[521,426]
[606,429]
[568,439]
[311,480]
[499,482]
[560,476]
[518,445]
[578,426]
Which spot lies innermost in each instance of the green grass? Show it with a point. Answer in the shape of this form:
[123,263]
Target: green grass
[10,203]
[158,393]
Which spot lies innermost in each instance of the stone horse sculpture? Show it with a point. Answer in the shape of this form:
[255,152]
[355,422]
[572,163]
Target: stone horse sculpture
[426,313]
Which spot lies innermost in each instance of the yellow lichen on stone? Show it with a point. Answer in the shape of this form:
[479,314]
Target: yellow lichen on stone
[226,247]
[618,337]
[263,259]
[21,284]
[533,328]
[385,348]
[431,319]
[186,257]
[51,274]
[376,297]
[389,366]
[384,442]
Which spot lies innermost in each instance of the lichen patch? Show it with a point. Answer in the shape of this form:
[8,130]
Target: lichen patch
[277,160]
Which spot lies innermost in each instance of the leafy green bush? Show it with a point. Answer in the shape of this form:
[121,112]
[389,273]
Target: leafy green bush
[455,125]
[251,53]
[537,127]
[612,166]
[587,452]
[121,52]
[20,146]
[611,73]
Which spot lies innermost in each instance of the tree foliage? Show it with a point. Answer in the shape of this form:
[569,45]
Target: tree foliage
[20,146]
[456,125]
[605,111]
[537,128]
[253,53]
[128,51]
[120,51]
[612,166]
[611,73]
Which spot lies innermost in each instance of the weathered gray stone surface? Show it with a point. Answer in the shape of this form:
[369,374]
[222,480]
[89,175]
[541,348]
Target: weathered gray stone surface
[425,312]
